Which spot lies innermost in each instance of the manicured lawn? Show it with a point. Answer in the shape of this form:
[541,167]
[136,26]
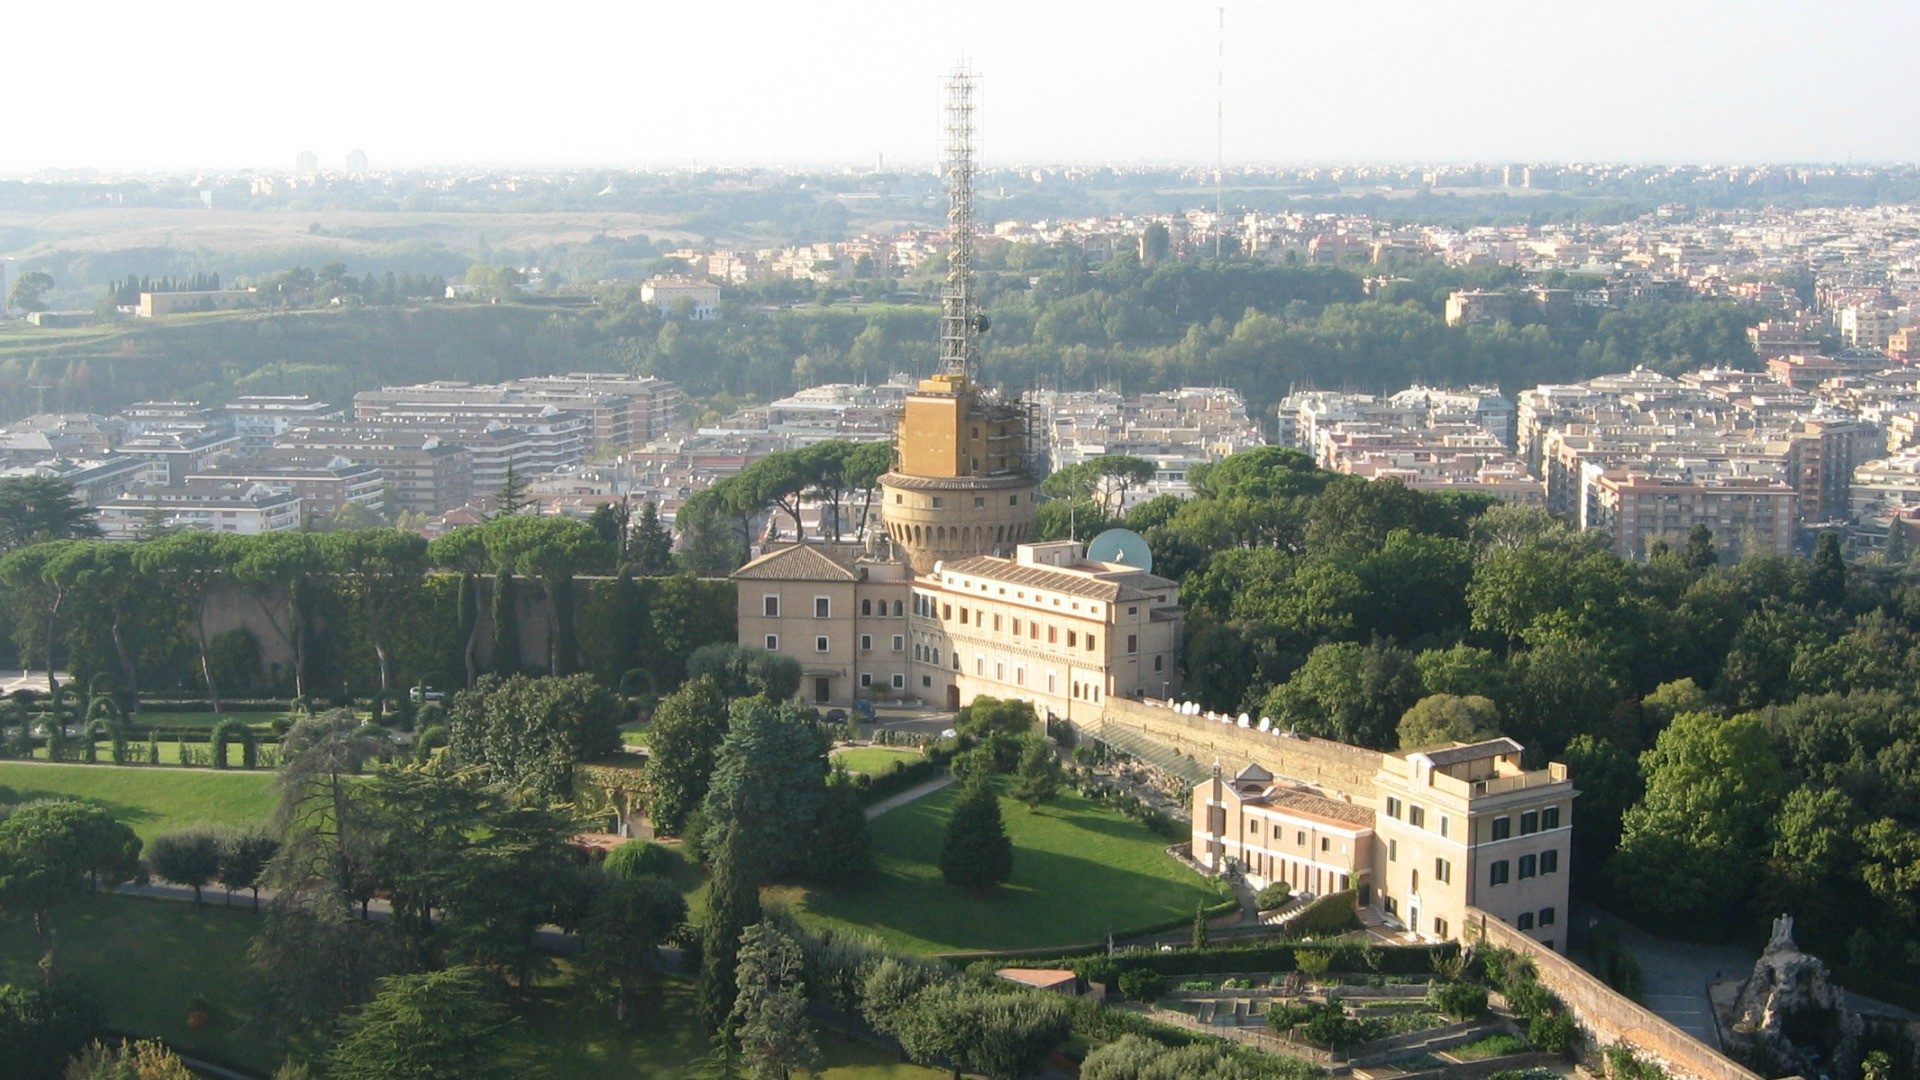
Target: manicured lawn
[873,760]
[1079,871]
[144,960]
[633,734]
[151,799]
[205,721]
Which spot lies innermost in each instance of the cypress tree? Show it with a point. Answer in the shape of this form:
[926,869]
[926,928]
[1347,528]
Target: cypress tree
[732,905]
[652,543]
[629,619]
[1828,578]
[977,854]
[467,618]
[505,657]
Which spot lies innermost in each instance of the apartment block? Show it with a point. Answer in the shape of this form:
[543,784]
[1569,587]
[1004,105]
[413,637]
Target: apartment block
[209,505]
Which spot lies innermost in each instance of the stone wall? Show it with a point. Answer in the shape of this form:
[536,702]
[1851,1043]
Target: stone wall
[1605,1016]
[1332,766]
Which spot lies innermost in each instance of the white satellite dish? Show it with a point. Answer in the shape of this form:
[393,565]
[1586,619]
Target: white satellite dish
[1122,546]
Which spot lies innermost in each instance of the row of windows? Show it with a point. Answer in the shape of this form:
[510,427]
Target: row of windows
[1416,816]
[979,501]
[899,681]
[1299,836]
[1547,917]
[899,642]
[1547,862]
[823,607]
[1531,821]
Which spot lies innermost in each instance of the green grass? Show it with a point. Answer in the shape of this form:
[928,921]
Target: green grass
[144,960]
[261,722]
[1079,871]
[633,734]
[151,800]
[1492,1046]
[873,760]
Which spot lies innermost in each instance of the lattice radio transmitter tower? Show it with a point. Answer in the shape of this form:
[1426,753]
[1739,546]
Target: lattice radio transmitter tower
[960,319]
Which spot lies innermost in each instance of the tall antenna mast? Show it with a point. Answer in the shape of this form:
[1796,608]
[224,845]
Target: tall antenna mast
[959,310]
[1219,129]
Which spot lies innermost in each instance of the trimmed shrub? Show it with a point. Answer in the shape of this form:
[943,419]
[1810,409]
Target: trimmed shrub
[1463,1001]
[1142,984]
[1267,956]
[1553,1032]
[1329,916]
[1274,896]
[638,858]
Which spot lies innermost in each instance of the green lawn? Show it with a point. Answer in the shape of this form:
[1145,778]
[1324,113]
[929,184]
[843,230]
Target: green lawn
[151,799]
[204,721]
[1079,871]
[873,760]
[145,960]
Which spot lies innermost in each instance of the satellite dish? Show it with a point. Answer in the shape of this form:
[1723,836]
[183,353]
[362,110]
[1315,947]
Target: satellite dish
[1121,546]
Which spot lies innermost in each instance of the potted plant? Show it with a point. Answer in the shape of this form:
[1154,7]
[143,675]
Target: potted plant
[199,1012]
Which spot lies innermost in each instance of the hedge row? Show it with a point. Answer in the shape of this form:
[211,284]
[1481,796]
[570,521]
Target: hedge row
[1269,956]
[903,776]
[1329,916]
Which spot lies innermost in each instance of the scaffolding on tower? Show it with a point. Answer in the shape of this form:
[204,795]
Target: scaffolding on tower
[960,321]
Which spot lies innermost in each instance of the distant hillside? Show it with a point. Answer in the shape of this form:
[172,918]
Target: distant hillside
[330,354]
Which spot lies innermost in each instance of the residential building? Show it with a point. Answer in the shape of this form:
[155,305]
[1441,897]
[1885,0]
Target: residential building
[211,505]
[1421,836]
[153,305]
[672,294]
[325,485]
[426,475]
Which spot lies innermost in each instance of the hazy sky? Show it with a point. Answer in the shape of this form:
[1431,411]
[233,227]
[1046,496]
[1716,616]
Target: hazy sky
[216,83]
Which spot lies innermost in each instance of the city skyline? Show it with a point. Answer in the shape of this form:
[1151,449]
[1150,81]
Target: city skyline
[851,83]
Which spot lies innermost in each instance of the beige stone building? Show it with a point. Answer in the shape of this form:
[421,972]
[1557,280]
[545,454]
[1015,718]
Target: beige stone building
[838,610]
[1435,832]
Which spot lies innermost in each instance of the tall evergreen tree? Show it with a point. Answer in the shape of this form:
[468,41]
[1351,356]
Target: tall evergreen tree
[511,496]
[505,657]
[1827,580]
[733,904]
[977,853]
[652,553]
[629,622]
[1701,554]
[770,1007]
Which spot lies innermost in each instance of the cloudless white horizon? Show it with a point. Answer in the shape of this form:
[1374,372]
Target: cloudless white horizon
[220,84]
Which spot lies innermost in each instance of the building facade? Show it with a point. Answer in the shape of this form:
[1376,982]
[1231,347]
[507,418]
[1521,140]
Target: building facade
[1431,834]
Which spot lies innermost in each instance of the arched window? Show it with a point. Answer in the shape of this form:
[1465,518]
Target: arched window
[866,607]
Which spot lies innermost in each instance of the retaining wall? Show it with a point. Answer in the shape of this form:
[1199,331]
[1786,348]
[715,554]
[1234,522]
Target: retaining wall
[1606,1017]
[1322,763]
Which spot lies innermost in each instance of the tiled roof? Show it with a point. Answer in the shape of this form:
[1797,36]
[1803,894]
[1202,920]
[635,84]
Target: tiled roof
[1306,802]
[796,562]
[1110,587]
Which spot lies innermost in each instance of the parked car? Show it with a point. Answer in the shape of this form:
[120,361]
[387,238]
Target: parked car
[421,694]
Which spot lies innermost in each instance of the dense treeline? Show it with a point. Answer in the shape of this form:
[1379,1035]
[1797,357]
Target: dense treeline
[1745,736]
[1262,329]
[354,612]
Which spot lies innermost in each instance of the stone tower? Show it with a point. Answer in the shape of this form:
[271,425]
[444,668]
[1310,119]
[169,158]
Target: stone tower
[962,483]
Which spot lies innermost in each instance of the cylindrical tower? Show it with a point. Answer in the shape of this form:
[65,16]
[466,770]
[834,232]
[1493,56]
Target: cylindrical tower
[961,483]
